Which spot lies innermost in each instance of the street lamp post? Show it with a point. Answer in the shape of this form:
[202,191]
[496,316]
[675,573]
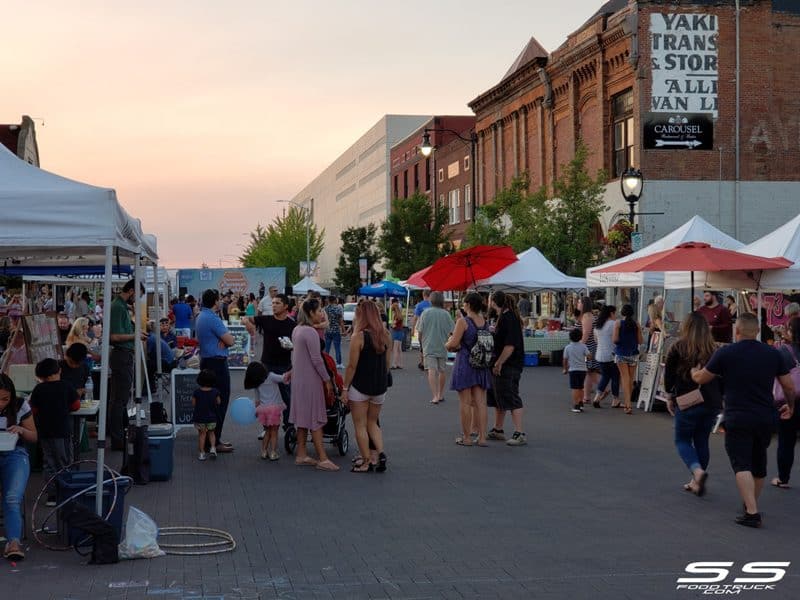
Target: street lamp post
[426,148]
[308,231]
[632,185]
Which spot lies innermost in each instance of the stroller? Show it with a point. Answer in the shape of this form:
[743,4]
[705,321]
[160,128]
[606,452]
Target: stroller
[334,431]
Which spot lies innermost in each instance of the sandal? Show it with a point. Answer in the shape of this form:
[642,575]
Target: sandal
[306,462]
[628,410]
[701,486]
[327,465]
[780,484]
[461,442]
[616,404]
[381,466]
[687,487]
[358,466]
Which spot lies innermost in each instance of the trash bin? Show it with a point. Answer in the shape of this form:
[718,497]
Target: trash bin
[532,359]
[161,441]
[556,358]
[406,339]
[71,482]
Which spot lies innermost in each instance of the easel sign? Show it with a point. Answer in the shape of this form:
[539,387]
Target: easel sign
[42,338]
[184,383]
[649,370]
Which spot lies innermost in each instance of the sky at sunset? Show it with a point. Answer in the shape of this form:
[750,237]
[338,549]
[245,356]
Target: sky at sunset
[202,113]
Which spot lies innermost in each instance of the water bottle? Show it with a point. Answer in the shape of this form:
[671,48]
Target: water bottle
[89,389]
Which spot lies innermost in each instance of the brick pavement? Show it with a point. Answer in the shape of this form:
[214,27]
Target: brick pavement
[591,508]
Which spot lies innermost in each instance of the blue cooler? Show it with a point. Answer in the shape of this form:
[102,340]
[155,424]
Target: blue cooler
[532,359]
[70,483]
[161,441]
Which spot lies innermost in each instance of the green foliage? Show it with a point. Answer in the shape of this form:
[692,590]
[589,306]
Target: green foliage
[357,242]
[283,243]
[562,225]
[412,237]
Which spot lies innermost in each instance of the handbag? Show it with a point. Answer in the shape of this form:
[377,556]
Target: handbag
[794,373]
[689,399]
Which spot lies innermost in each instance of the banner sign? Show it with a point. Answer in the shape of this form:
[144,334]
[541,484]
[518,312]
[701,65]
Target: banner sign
[237,280]
[678,131]
[683,62]
[362,269]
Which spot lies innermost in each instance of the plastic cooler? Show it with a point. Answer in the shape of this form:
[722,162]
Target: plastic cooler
[161,440]
[70,483]
[532,359]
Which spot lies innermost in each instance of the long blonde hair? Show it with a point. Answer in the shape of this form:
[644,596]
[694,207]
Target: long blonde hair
[76,333]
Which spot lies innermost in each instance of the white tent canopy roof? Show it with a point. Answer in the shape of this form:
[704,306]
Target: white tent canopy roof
[531,272]
[49,219]
[695,229]
[306,284]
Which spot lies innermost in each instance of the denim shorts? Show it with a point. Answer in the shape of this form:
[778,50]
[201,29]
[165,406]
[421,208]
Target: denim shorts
[627,360]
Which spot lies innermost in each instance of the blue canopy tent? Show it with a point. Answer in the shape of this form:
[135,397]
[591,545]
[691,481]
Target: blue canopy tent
[383,289]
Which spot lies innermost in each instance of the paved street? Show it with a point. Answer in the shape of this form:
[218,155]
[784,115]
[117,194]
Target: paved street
[591,508]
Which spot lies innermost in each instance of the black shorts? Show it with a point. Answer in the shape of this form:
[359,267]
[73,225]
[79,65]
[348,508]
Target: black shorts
[576,379]
[747,448]
[504,393]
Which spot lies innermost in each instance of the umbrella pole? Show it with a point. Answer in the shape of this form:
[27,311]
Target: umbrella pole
[691,291]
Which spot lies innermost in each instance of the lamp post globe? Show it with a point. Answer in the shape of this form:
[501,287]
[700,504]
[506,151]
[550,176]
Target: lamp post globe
[631,182]
[426,148]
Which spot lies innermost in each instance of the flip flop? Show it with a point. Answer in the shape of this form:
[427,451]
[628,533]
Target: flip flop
[327,465]
[460,441]
[780,484]
[306,462]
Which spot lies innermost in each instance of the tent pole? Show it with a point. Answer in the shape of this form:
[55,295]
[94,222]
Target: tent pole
[137,316]
[758,313]
[103,408]
[156,304]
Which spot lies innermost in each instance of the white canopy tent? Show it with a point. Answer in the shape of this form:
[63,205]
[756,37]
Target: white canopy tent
[695,229]
[531,272]
[52,220]
[306,285]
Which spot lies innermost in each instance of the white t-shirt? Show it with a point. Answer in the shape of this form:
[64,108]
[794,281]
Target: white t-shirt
[605,345]
[268,393]
[265,306]
[24,411]
[575,354]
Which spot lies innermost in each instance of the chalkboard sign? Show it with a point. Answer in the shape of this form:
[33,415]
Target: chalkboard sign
[184,383]
[239,353]
[41,337]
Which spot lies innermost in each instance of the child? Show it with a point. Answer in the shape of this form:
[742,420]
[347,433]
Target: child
[575,355]
[205,401]
[51,402]
[74,368]
[269,405]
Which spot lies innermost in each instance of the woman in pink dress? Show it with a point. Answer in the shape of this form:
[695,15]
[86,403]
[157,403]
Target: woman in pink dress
[307,408]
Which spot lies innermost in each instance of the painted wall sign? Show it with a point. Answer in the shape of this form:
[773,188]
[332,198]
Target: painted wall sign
[678,131]
[683,62]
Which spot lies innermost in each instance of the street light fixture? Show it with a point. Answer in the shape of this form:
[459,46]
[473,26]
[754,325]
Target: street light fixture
[632,184]
[308,230]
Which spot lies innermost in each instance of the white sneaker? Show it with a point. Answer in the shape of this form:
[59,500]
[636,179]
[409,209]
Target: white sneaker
[262,434]
[213,453]
[201,456]
[273,455]
[518,439]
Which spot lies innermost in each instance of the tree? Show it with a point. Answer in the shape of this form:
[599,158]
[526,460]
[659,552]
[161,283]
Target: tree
[412,237]
[562,225]
[357,242]
[283,242]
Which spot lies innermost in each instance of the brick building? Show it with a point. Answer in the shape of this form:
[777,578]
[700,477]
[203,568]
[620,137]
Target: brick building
[638,68]
[446,176]
[21,140]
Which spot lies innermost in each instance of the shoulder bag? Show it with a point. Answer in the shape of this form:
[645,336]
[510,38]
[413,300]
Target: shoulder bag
[794,373]
[689,399]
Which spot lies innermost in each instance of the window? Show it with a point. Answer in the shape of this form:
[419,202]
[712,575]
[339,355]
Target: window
[405,183]
[416,178]
[467,202]
[441,175]
[427,174]
[441,202]
[455,207]
[466,163]
[624,135]
[396,189]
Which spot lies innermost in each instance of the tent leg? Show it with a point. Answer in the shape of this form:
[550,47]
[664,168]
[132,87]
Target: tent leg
[138,358]
[102,415]
[758,314]
[156,304]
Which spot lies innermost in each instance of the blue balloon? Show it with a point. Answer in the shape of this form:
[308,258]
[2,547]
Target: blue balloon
[243,411]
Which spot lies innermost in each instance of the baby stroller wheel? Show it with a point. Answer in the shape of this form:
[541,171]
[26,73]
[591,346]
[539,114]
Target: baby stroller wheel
[290,440]
[343,442]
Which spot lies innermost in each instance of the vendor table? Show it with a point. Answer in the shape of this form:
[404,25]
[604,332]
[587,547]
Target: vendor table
[87,409]
[546,345]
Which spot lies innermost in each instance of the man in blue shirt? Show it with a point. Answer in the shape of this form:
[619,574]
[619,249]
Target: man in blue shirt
[183,318]
[418,309]
[748,369]
[214,339]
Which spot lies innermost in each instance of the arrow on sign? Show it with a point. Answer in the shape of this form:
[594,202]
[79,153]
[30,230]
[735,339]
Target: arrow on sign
[688,144]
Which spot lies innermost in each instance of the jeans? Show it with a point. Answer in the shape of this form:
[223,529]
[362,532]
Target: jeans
[14,471]
[220,368]
[609,372]
[121,364]
[57,454]
[285,389]
[787,438]
[692,428]
[336,340]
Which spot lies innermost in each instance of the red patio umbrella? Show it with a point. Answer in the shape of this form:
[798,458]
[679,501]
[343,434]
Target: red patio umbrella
[417,279]
[460,270]
[698,256]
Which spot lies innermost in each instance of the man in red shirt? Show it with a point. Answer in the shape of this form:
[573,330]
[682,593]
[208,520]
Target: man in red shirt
[718,318]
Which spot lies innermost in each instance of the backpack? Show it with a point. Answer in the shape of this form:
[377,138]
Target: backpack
[480,355]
